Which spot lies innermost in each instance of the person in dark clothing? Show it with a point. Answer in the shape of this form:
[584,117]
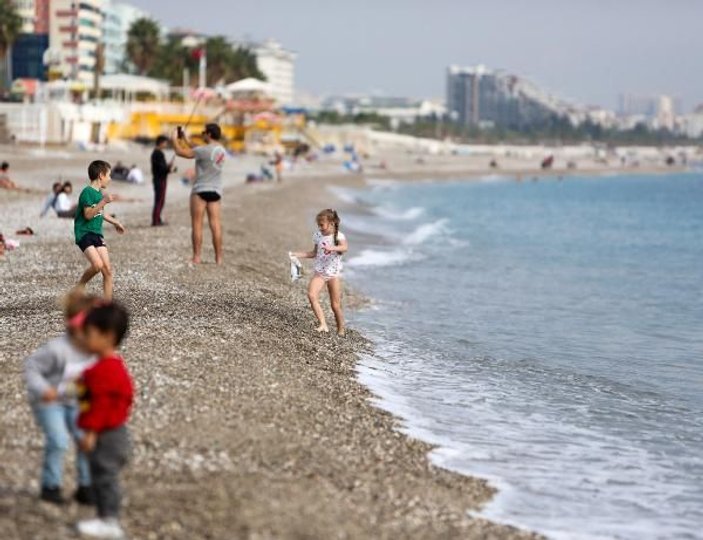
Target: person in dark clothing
[159,170]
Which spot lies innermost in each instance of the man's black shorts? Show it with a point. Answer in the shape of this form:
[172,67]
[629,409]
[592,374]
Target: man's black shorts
[91,239]
[209,196]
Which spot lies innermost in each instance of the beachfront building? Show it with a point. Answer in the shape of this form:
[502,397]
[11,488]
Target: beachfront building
[477,96]
[75,30]
[278,65]
[26,9]
[118,18]
[399,110]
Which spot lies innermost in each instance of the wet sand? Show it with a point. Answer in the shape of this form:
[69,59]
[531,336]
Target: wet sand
[247,423]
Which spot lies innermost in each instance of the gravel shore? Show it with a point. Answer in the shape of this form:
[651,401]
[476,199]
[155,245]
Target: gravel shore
[247,423]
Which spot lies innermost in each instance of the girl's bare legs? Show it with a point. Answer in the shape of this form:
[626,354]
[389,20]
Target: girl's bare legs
[197,211]
[213,218]
[334,287]
[316,285]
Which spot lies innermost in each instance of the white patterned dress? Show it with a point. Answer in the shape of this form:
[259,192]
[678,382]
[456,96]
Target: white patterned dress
[327,266]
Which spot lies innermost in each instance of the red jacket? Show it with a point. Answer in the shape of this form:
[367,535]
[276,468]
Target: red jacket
[106,396]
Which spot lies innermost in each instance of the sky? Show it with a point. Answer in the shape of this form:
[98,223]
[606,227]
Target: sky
[587,51]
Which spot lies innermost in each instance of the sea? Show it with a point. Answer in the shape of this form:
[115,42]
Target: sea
[546,335]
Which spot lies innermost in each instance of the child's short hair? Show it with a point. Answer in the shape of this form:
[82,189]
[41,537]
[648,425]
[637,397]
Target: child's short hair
[77,301]
[110,317]
[98,167]
[5,165]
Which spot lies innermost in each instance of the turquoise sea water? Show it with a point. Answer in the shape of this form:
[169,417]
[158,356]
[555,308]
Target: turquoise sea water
[547,336]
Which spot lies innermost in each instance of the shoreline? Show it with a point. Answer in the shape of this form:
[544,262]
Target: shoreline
[247,423]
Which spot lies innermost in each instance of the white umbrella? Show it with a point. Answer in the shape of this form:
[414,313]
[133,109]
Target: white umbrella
[249,85]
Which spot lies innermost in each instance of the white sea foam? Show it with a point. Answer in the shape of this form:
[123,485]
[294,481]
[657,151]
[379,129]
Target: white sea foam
[393,214]
[349,196]
[426,231]
[375,257]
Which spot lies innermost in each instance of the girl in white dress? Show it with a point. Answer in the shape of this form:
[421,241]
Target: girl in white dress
[329,246]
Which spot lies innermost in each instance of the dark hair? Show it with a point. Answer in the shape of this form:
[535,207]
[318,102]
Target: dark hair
[98,167]
[56,186]
[110,317]
[67,184]
[161,139]
[214,131]
[5,165]
[331,215]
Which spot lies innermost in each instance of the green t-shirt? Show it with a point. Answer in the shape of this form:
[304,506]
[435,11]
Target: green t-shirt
[81,226]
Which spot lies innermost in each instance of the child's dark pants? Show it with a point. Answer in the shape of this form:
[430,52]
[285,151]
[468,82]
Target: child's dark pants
[111,454]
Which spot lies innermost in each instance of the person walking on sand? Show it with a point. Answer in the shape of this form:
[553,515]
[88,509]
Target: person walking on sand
[329,246]
[160,170]
[88,225]
[207,188]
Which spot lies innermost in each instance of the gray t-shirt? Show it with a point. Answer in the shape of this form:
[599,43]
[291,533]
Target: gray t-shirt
[209,160]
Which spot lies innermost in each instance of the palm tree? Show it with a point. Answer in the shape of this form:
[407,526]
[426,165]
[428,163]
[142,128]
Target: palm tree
[171,60]
[245,65]
[143,44]
[10,27]
[219,60]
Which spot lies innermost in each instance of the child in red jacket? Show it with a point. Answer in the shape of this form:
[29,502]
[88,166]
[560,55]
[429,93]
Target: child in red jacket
[106,393]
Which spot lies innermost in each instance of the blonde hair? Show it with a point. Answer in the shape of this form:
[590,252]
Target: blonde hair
[77,301]
[333,217]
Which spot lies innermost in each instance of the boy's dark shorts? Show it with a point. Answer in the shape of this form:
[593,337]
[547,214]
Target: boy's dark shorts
[91,239]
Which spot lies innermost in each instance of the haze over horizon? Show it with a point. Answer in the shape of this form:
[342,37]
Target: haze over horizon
[587,51]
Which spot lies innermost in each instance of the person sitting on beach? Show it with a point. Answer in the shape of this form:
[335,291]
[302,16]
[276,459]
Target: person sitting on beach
[65,208]
[49,374]
[135,175]
[207,188]
[329,246]
[120,171]
[50,200]
[6,182]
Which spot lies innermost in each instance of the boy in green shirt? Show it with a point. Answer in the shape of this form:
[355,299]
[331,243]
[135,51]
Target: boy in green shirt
[88,225]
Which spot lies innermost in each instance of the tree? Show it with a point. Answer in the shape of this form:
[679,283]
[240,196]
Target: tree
[171,60]
[143,44]
[227,64]
[245,65]
[10,27]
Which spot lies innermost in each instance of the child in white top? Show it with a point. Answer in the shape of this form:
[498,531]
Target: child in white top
[329,246]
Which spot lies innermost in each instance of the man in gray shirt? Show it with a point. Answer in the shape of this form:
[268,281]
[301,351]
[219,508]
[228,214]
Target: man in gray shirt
[207,189]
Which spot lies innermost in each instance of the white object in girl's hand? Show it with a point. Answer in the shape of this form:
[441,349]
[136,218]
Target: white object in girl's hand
[296,267]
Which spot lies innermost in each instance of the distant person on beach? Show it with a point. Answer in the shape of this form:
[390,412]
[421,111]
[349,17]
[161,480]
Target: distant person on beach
[160,170]
[277,163]
[329,246]
[65,208]
[106,394]
[88,225]
[135,175]
[6,182]
[50,201]
[49,374]
[207,188]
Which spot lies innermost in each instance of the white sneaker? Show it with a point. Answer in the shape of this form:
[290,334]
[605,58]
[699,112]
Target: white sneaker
[101,528]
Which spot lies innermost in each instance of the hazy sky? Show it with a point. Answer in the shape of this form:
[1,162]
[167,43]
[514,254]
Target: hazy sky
[586,50]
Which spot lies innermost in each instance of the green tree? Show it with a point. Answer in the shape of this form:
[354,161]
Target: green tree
[245,65]
[10,27]
[143,44]
[171,60]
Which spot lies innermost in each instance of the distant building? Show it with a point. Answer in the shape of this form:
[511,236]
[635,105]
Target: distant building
[28,56]
[74,33]
[26,9]
[400,110]
[481,97]
[118,18]
[278,65]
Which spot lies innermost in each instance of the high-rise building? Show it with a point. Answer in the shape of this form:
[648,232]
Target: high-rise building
[278,64]
[27,11]
[28,56]
[478,96]
[118,18]
[75,30]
